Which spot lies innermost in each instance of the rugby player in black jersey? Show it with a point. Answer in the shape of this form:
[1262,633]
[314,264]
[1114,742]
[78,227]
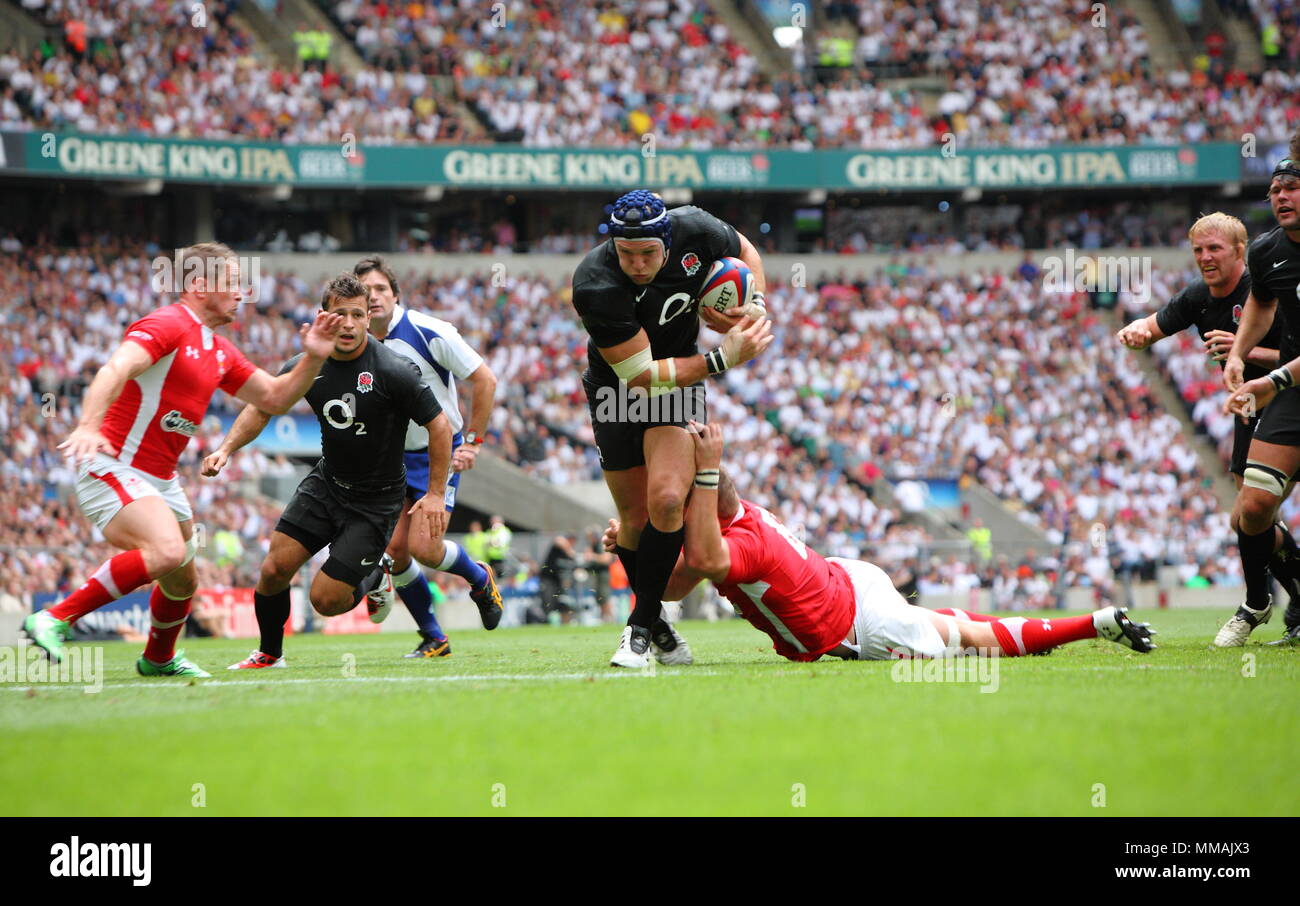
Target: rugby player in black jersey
[1274,457]
[363,398]
[1213,305]
[637,296]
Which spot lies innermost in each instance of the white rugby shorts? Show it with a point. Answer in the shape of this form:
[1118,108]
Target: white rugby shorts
[105,485]
[887,626]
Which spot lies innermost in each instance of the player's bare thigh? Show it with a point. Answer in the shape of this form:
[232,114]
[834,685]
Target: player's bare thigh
[670,468]
[149,525]
[627,487]
[1255,508]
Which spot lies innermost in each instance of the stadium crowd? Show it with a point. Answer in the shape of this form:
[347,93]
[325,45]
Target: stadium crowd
[144,67]
[1020,74]
[899,374]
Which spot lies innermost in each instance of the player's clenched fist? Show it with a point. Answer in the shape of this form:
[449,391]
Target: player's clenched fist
[1136,335]
[213,463]
[610,539]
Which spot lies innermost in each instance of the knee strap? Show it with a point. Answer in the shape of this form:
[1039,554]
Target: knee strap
[1264,478]
[191,549]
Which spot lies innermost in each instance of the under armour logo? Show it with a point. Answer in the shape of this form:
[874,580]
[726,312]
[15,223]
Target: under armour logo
[191,352]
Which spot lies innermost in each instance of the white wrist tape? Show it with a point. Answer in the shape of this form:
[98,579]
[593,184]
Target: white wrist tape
[660,385]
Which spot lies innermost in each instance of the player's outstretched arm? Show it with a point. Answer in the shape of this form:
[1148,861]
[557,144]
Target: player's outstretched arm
[277,395]
[1256,319]
[248,425]
[129,361]
[705,550]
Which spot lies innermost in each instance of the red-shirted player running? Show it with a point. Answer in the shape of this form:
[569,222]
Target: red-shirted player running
[140,411]
[812,605]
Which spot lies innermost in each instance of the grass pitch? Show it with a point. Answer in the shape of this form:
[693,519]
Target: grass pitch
[530,721]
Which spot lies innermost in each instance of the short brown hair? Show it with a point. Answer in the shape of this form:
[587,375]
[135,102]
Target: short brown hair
[344,286]
[210,253]
[377,263]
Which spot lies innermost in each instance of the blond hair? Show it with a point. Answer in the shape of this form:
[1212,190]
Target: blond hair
[1225,225]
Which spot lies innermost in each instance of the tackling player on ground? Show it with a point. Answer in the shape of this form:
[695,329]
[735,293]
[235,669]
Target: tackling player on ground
[443,357]
[812,606]
[364,397]
[636,294]
[1274,263]
[1214,305]
[139,412]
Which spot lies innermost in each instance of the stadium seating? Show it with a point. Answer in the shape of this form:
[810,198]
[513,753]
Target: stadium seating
[573,73]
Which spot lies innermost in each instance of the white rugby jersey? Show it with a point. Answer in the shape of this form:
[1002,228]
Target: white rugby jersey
[442,356]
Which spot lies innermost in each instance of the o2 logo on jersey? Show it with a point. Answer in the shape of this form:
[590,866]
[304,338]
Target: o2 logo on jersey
[365,382]
[178,424]
[681,300]
[1236,314]
[348,405]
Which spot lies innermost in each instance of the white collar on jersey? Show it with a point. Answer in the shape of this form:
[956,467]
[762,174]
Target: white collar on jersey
[740,511]
[207,331]
[399,312]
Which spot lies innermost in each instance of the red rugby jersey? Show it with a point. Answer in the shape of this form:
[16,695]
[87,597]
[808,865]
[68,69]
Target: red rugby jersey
[785,588]
[158,412]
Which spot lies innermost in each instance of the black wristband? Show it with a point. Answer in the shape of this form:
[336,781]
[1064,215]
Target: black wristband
[715,361]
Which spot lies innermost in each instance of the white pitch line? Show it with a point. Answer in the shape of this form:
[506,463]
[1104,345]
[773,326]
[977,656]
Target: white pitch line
[449,678]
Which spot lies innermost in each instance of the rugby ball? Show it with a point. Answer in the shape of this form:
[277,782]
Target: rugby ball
[729,284]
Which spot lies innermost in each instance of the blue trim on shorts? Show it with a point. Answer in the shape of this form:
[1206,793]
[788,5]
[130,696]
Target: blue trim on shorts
[417,474]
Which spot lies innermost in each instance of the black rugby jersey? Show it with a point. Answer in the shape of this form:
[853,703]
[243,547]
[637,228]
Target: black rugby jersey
[363,406]
[613,308]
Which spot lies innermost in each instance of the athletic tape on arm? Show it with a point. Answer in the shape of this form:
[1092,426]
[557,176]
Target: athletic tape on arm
[631,367]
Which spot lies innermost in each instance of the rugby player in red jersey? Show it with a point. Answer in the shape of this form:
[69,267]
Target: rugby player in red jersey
[813,606]
[138,414]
